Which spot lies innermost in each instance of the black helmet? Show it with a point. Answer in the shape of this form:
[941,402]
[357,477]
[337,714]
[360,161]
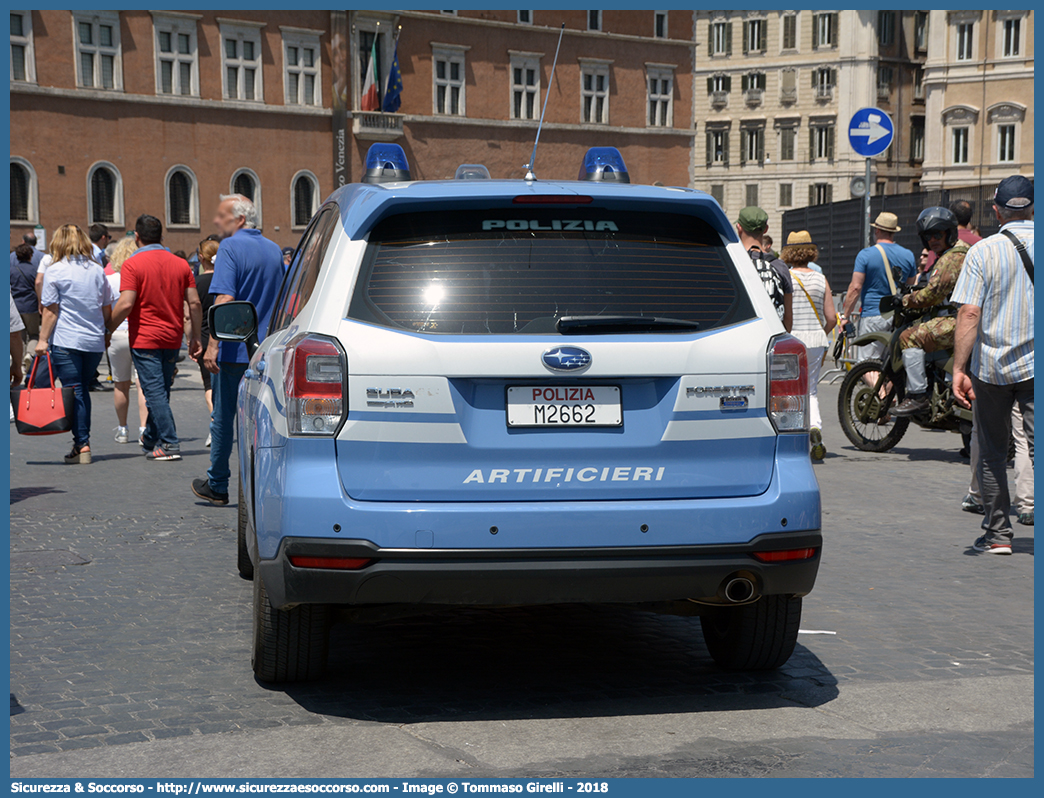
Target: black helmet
[934,220]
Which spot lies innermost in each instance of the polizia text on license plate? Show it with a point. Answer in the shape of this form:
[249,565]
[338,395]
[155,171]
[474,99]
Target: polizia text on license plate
[564,406]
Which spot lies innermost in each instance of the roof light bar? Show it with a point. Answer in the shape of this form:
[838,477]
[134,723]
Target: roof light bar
[605,165]
[386,163]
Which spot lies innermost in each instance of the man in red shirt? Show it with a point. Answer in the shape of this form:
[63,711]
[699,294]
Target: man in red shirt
[154,284]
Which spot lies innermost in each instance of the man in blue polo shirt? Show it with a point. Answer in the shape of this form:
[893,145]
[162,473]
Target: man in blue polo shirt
[247,267]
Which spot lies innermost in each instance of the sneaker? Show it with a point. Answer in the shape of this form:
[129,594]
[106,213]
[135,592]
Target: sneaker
[80,455]
[201,487]
[207,444]
[818,450]
[986,547]
[1026,519]
[160,453]
[912,405]
[969,505]
[121,435]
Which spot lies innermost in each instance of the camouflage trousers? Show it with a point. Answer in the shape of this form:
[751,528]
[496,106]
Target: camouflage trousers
[931,335]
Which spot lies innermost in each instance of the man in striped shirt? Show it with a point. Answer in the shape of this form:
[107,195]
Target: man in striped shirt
[995,332]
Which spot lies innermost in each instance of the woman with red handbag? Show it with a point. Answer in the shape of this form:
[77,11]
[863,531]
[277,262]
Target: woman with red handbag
[76,301]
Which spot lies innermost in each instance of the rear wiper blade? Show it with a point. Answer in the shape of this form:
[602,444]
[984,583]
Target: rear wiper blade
[575,325]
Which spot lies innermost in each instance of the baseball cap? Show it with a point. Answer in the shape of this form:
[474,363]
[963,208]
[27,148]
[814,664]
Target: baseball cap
[753,219]
[1014,193]
[288,251]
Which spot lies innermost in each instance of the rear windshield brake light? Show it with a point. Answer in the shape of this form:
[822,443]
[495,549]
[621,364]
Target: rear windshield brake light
[551,199]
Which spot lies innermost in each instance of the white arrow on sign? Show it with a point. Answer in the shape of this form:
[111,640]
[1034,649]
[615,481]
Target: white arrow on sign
[872,129]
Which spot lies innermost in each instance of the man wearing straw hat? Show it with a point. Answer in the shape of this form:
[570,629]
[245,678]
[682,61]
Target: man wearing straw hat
[871,281]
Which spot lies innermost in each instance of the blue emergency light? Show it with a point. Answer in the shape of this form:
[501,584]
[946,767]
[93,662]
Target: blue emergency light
[604,164]
[386,163]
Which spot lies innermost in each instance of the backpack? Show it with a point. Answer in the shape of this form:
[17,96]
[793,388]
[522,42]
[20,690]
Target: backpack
[770,278]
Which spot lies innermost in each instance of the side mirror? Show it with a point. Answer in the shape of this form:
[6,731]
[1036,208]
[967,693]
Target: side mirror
[887,304]
[234,322]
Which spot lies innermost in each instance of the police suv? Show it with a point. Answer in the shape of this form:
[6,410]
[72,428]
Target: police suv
[516,392]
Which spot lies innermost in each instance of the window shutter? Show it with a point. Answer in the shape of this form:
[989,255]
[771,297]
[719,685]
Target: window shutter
[710,85]
[710,148]
[744,136]
[813,78]
[746,34]
[815,33]
[833,29]
[829,193]
[761,146]
[728,38]
[728,83]
[830,144]
[745,82]
[725,148]
[812,144]
[762,36]
[833,77]
[812,194]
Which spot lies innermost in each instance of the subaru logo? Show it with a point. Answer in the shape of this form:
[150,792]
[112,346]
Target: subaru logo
[566,358]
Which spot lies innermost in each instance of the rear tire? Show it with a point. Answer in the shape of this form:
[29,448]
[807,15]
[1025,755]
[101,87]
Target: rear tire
[857,410]
[246,566]
[289,645]
[753,637]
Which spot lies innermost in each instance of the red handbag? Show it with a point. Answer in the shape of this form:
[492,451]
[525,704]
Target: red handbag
[43,411]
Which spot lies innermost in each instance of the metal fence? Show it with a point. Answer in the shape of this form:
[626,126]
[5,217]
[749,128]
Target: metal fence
[837,227]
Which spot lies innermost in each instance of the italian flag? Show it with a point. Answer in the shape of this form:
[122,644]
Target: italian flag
[370,100]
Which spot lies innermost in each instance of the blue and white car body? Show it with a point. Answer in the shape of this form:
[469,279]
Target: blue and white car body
[403,479]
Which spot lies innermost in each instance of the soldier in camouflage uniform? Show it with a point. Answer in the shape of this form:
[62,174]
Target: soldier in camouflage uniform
[938,230]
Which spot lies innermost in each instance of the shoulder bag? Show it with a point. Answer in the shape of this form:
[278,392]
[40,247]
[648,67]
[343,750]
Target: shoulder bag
[809,298]
[42,411]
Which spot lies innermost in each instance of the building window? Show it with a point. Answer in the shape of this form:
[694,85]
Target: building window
[660,24]
[751,194]
[104,194]
[449,13]
[917,139]
[525,17]
[959,138]
[821,143]
[718,147]
[247,183]
[1011,28]
[1006,143]
[752,140]
[787,143]
[788,85]
[594,20]
[790,31]
[304,198]
[23,191]
[302,82]
[965,31]
[98,62]
[176,55]
[661,94]
[921,31]
[823,81]
[241,59]
[786,195]
[717,191]
[820,194]
[754,80]
[885,79]
[918,89]
[886,28]
[448,82]
[754,39]
[594,93]
[719,83]
[182,198]
[525,87]
[721,38]
[23,64]
[824,30]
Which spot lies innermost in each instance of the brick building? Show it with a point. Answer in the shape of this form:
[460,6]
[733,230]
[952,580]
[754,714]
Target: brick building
[114,114]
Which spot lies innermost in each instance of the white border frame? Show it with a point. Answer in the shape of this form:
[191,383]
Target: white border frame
[94,19]
[30,48]
[246,170]
[117,200]
[194,223]
[33,200]
[316,201]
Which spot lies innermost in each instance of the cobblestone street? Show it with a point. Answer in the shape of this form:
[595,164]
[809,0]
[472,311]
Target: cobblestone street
[130,646]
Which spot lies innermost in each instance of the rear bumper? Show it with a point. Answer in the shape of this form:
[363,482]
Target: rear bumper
[479,577]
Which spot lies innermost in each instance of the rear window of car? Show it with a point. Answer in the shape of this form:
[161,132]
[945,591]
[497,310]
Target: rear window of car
[511,271]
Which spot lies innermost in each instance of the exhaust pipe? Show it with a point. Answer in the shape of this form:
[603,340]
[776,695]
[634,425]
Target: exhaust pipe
[738,590]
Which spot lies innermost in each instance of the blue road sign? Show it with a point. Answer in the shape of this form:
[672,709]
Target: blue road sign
[870,132]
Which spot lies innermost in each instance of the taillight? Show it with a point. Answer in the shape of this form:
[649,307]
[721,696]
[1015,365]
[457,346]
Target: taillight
[788,385]
[329,563]
[784,555]
[314,379]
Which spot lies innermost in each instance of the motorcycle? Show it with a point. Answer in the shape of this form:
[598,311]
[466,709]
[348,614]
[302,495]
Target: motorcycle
[873,387]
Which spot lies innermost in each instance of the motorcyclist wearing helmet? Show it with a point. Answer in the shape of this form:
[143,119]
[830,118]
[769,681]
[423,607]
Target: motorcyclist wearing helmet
[937,228]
